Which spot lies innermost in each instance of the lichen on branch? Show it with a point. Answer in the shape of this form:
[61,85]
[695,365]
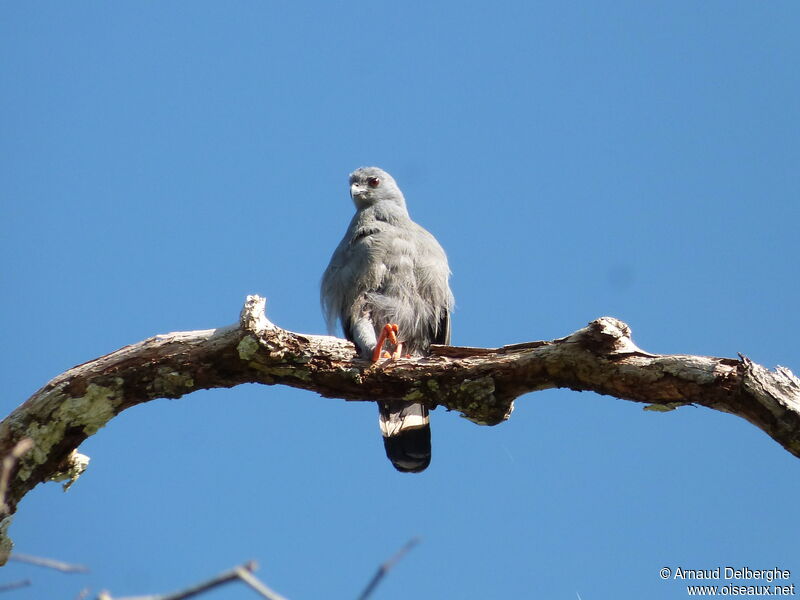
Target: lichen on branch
[480,383]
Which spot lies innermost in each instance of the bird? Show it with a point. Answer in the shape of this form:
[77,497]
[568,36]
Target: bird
[388,283]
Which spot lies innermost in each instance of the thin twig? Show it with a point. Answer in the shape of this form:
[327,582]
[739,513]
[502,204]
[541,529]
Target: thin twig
[14,585]
[386,567]
[255,583]
[83,593]
[9,460]
[242,573]
[220,579]
[49,563]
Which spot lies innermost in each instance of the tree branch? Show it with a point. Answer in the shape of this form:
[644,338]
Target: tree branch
[242,573]
[14,585]
[480,383]
[49,563]
[387,566]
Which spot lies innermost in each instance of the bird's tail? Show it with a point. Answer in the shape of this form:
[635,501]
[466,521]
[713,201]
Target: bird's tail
[406,434]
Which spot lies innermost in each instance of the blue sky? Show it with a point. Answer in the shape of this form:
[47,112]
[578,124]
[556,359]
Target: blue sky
[160,161]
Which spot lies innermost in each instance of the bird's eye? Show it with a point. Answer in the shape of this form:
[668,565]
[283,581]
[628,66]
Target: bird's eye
[373,182]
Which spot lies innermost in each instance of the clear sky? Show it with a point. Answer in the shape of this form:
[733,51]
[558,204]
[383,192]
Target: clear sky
[161,160]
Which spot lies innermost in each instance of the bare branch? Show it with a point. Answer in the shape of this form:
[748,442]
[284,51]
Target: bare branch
[480,383]
[48,563]
[14,585]
[386,567]
[241,573]
[247,576]
[83,593]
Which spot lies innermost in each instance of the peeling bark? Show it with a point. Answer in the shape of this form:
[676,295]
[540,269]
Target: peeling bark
[480,383]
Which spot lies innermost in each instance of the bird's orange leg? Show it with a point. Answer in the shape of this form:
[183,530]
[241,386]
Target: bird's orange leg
[389,332]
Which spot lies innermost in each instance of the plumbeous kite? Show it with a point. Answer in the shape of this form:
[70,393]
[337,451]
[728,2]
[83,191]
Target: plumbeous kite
[387,280]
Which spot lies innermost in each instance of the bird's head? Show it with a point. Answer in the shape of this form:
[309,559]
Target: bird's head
[370,185]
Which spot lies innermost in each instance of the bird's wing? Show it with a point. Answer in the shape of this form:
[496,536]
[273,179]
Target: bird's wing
[442,334]
[432,272]
[331,293]
[354,270]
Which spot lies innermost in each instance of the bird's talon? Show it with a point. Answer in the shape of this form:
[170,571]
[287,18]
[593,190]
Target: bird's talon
[389,332]
[398,351]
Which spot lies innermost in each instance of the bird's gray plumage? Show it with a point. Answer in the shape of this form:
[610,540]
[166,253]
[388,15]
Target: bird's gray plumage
[388,269]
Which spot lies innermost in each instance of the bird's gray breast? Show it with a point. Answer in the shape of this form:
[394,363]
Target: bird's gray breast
[389,270]
[400,282]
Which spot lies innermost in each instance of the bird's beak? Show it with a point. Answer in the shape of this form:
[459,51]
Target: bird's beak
[357,189]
